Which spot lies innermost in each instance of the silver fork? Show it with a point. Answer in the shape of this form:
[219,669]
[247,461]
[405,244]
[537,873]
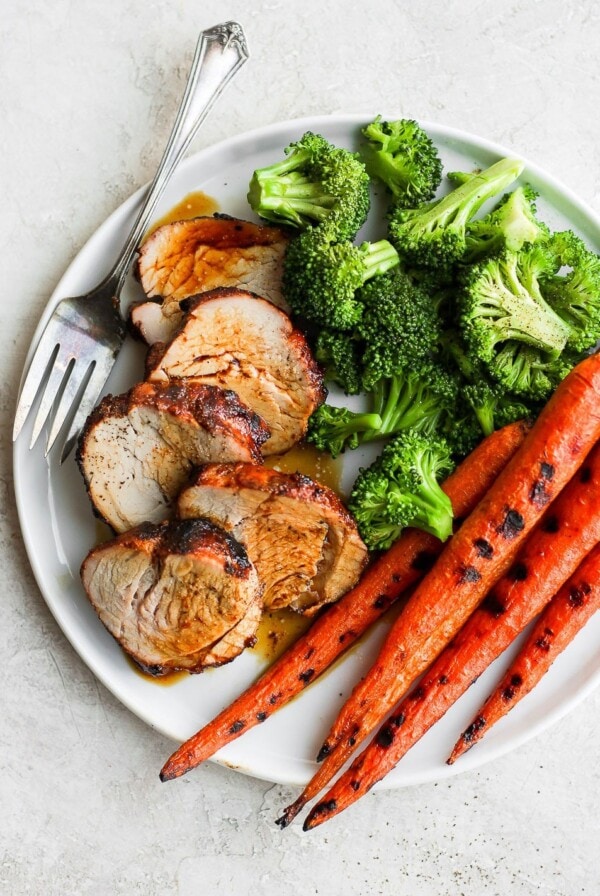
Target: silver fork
[81,341]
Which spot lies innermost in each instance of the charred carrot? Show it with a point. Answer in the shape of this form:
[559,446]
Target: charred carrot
[556,627]
[568,531]
[333,632]
[470,564]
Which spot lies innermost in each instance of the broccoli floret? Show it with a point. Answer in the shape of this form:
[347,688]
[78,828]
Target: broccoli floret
[422,399]
[400,330]
[335,429]
[434,235]
[574,293]
[503,308]
[491,404]
[339,355]
[403,157]
[462,431]
[423,402]
[321,278]
[400,327]
[402,489]
[510,225]
[316,183]
[525,371]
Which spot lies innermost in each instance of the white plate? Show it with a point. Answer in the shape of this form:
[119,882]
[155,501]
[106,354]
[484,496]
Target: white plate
[59,529]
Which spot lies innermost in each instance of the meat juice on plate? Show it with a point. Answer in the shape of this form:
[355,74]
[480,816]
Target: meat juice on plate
[193,205]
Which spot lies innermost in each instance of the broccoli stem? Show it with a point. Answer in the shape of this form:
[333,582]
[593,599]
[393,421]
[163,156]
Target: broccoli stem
[399,406]
[335,429]
[430,515]
[485,417]
[378,257]
[363,423]
[431,496]
[391,404]
[459,206]
[293,195]
[294,160]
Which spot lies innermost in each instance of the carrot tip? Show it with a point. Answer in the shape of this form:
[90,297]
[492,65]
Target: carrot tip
[313,820]
[283,821]
[290,813]
[320,813]
[459,748]
[309,824]
[171,770]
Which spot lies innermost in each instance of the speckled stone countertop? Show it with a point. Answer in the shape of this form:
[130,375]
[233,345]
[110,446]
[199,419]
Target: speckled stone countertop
[87,94]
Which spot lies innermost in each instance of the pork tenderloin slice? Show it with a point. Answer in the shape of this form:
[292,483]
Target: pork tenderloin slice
[138,449]
[237,639]
[297,533]
[185,258]
[175,595]
[233,339]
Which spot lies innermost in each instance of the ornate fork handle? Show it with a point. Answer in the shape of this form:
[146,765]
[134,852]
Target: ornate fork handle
[220,52]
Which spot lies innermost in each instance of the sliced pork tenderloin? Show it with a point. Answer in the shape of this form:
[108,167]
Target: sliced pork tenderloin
[138,449]
[185,258]
[236,640]
[176,595]
[236,340]
[297,533]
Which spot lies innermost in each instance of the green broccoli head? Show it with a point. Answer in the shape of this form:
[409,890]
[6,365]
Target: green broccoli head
[493,406]
[315,184]
[484,405]
[501,302]
[462,431]
[321,278]
[401,488]
[574,290]
[511,225]
[399,327]
[422,399]
[402,156]
[339,354]
[524,370]
[434,234]
[335,430]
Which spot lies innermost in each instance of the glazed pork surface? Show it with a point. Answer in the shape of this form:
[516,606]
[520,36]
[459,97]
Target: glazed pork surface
[184,258]
[235,340]
[297,533]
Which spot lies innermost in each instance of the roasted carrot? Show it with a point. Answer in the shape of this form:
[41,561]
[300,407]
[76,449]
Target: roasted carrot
[566,534]
[470,564]
[555,628]
[340,625]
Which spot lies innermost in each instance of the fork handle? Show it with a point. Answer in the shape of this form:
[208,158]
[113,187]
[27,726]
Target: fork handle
[220,52]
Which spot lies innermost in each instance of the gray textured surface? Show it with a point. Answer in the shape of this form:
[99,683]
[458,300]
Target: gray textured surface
[87,93]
